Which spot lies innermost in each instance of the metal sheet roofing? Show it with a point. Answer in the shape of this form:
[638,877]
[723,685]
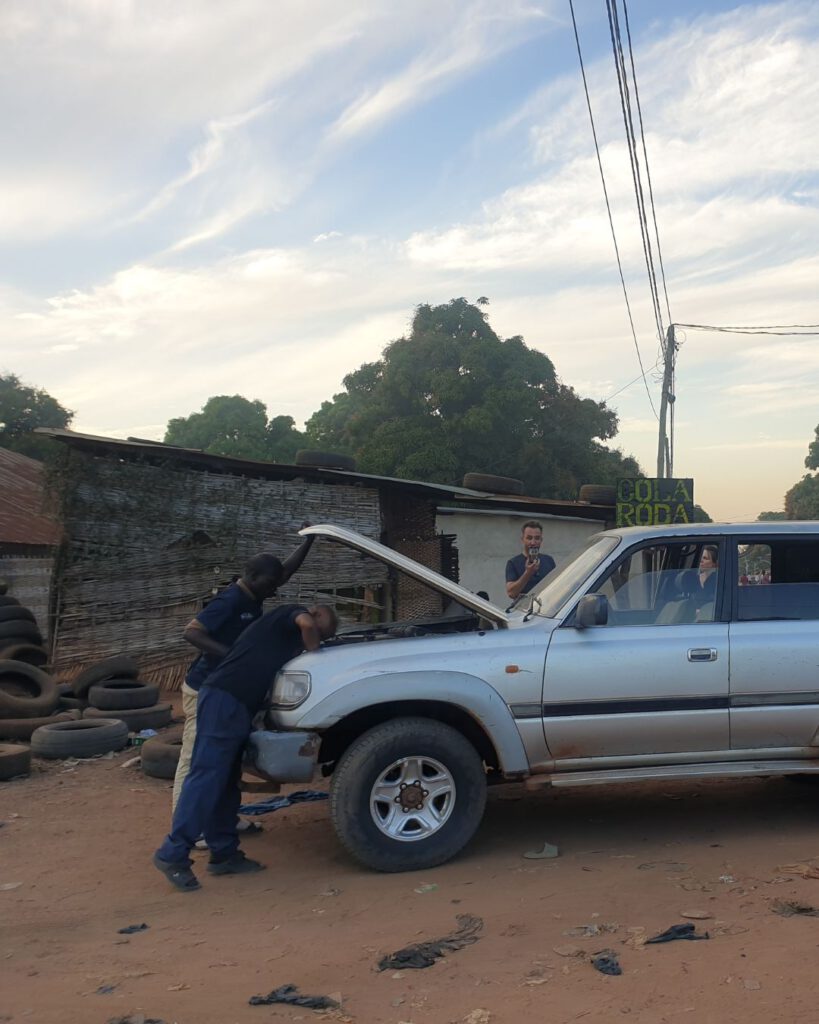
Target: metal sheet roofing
[23,519]
[137,447]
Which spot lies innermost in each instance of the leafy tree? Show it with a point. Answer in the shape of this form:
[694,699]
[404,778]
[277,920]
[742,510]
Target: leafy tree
[701,516]
[235,426]
[802,500]
[771,517]
[453,398]
[22,409]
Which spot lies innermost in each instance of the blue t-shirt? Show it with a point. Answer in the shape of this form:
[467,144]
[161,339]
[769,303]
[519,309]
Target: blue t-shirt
[516,566]
[225,618]
[247,671]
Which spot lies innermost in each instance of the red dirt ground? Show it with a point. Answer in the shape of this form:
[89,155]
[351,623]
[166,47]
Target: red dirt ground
[75,867]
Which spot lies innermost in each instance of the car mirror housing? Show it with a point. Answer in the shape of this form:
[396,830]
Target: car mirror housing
[592,610]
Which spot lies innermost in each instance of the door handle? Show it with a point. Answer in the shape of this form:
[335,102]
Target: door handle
[702,654]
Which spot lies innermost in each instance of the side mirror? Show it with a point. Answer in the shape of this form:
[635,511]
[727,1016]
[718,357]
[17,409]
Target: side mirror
[592,610]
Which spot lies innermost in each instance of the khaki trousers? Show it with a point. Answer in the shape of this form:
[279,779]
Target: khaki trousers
[189,700]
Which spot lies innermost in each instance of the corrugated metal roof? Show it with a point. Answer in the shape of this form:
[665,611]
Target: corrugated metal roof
[22,519]
[281,471]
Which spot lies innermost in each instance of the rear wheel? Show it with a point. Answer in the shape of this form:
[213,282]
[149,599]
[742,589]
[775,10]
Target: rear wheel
[407,795]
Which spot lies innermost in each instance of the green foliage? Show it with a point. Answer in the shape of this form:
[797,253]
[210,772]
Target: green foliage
[771,517]
[802,500]
[453,398]
[235,426]
[701,516]
[812,458]
[22,409]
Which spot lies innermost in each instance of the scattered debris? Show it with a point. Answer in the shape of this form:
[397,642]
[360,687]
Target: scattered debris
[548,852]
[790,908]
[607,963]
[675,867]
[636,937]
[132,761]
[677,931]
[181,987]
[696,915]
[751,984]
[424,954]
[803,870]
[135,1018]
[429,887]
[8,886]
[290,994]
[478,1017]
[105,990]
[132,928]
[727,879]
[586,931]
[276,803]
[330,892]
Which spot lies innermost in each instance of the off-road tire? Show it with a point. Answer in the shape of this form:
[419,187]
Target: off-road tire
[84,738]
[370,755]
[160,754]
[493,484]
[13,612]
[325,460]
[123,695]
[39,696]
[30,653]
[156,717]
[14,761]
[598,494]
[120,666]
[21,630]
[22,728]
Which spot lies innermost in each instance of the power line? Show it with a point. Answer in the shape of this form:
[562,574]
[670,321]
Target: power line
[783,331]
[645,158]
[608,210]
[625,387]
[634,160]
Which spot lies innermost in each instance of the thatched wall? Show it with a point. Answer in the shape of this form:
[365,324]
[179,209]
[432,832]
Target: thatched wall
[147,542]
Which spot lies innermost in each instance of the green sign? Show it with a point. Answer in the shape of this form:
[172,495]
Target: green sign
[647,501]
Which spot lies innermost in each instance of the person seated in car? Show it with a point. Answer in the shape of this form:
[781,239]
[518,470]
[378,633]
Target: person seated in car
[707,575]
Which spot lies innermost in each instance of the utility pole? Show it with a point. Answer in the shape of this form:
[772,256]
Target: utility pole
[664,466]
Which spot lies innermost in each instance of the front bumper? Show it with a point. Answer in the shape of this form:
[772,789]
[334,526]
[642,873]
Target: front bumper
[283,756]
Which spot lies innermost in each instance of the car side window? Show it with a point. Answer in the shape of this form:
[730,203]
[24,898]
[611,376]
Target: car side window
[778,579]
[663,585]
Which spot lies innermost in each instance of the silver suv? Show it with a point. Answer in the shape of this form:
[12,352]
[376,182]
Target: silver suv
[653,653]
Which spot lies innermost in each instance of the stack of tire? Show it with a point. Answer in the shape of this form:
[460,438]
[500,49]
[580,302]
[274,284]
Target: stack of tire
[20,638]
[112,689]
[160,754]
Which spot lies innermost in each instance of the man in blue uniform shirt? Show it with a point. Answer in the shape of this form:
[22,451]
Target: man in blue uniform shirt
[217,627]
[525,571]
[230,697]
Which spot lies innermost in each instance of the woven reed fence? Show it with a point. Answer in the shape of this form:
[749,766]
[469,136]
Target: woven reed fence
[148,542]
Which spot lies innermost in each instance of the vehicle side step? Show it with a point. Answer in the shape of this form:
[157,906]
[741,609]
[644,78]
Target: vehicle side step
[717,770]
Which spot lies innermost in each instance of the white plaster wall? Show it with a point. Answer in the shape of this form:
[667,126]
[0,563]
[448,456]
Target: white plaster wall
[486,541]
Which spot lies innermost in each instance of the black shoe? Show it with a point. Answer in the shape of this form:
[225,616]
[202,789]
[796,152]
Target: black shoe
[236,864]
[179,875]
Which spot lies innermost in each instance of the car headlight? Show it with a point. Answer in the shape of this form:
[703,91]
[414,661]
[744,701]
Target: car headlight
[290,689]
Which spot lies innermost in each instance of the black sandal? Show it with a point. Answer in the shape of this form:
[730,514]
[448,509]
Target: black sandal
[179,875]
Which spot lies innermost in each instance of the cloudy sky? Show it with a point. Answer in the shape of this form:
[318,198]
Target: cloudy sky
[203,198]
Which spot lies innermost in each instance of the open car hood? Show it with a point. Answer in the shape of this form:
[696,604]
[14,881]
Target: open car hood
[419,572]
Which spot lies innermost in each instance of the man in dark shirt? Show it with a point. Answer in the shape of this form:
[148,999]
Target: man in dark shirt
[525,571]
[216,628]
[230,696]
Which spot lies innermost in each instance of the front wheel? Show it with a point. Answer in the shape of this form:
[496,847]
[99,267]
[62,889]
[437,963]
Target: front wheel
[407,795]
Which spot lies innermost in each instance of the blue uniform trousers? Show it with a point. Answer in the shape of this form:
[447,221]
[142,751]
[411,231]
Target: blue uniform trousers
[209,802]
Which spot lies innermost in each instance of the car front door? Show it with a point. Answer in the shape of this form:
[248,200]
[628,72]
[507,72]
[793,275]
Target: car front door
[652,682]
[774,643]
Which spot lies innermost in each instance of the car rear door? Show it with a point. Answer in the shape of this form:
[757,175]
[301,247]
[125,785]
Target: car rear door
[654,679]
[774,636]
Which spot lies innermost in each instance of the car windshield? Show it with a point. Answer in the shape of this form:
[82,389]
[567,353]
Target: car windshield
[559,585]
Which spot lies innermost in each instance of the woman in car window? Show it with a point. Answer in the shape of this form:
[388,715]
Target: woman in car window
[707,575]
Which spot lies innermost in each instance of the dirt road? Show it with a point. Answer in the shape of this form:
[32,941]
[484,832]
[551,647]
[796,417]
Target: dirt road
[75,849]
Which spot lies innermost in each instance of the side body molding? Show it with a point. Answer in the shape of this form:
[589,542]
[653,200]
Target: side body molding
[473,695]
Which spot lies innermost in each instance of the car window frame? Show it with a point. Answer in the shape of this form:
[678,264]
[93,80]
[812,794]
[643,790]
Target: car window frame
[723,600]
[761,538]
